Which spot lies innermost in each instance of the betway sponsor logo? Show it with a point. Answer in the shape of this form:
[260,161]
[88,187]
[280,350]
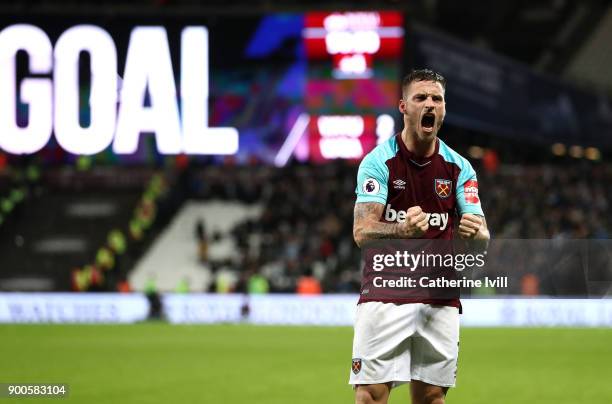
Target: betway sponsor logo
[435,219]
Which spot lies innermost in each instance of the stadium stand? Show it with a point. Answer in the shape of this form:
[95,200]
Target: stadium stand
[306,218]
[173,257]
[64,223]
[254,227]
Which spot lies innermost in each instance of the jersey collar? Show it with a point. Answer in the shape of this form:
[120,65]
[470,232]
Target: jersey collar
[414,159]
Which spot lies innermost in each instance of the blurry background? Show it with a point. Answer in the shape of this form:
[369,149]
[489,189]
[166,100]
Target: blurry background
[311,87]
[310,93]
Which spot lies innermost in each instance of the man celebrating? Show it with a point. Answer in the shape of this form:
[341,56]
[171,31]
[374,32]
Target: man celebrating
[412,186]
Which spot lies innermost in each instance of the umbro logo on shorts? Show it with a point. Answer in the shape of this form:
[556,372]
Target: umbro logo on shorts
[356,366]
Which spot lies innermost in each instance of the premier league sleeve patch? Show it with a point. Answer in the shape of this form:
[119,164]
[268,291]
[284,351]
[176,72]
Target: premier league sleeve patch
[371,186]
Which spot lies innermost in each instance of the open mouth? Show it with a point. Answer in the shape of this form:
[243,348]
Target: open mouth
[428,120]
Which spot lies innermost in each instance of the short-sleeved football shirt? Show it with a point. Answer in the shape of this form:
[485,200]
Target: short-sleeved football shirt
[444,185]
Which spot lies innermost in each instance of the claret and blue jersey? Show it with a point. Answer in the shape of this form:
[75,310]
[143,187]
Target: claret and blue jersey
[444,185]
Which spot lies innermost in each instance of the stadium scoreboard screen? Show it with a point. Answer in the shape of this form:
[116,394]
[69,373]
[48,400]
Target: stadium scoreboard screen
[316,86]
[352,85]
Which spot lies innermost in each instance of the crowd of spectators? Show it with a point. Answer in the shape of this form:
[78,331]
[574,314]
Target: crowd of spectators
[548,201]
[305,229]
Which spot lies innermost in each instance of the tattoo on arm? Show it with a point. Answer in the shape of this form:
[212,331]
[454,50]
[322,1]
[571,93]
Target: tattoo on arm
[366,225]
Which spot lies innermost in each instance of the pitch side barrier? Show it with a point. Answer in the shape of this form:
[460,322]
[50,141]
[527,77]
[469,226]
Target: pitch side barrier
[487,282]
[324,310]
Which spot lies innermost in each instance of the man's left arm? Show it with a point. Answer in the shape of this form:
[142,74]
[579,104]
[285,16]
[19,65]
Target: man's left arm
[472,224]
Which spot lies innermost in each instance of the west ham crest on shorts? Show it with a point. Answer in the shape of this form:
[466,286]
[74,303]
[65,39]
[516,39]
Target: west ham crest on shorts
[356,367]
[443,187]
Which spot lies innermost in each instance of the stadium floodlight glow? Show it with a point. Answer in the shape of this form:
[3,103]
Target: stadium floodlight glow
[592,153]
[558,149]
[54,103]
[576,151]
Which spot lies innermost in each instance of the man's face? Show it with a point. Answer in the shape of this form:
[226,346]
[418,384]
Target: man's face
[423,108]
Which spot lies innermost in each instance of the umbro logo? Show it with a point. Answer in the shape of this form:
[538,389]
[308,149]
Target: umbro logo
[399,184]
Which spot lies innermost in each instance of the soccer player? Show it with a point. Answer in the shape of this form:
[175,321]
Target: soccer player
[412,186]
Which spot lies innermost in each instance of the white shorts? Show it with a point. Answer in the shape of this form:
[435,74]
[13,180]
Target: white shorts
[404,342]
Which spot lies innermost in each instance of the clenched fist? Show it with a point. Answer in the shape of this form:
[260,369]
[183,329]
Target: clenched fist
[469,226]
[415,225]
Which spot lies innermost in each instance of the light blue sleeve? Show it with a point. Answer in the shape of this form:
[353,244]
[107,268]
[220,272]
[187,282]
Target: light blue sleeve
[372,179]
[468,200]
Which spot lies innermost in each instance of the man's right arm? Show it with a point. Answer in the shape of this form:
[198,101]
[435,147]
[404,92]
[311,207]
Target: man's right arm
[367,225]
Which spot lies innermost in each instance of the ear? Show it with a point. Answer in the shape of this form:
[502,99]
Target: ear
[402,106]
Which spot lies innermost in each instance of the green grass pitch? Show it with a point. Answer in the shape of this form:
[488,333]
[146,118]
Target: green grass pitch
[165,364]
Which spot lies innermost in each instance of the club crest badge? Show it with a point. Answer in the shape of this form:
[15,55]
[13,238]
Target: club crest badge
[356,366]
[443,187]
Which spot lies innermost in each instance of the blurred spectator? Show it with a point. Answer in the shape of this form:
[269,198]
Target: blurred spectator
[155,301]
[530,285]
[123,286]
[150,286]
[200,230]
[105,258]
[308,284]
[257,285]
[182,286]
[202,239]
[225,281]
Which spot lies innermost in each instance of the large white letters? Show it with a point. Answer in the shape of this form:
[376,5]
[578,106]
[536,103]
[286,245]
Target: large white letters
[198,138]
[103,97]
[35,92]
[148,67]
[119,114]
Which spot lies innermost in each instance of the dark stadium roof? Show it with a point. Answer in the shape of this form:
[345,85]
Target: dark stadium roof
[545,34]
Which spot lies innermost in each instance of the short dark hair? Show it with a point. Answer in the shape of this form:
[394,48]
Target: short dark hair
[422,75]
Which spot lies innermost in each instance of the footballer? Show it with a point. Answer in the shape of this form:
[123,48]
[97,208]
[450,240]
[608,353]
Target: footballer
[412,186]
